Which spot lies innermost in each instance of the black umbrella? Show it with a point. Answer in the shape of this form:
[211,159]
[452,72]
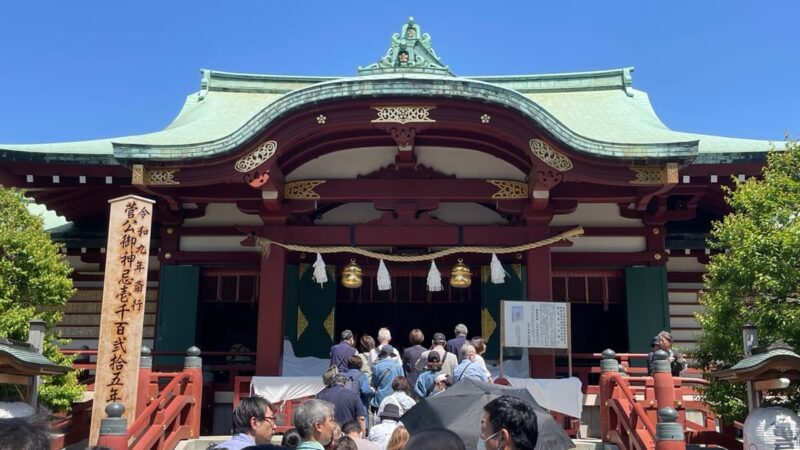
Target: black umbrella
[460,409]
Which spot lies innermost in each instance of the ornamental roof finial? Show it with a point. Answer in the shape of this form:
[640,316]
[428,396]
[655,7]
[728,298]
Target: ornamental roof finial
[409,51]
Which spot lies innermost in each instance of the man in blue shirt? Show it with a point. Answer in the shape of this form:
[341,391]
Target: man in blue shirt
[342,351]
[313,420]
[468,368]
[253,422]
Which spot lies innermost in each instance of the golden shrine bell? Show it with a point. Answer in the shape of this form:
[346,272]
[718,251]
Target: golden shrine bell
[460,275]
[351,275]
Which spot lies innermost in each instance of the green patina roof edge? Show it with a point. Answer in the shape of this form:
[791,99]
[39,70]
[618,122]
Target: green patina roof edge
[28,357]
[220,81]
[410,86]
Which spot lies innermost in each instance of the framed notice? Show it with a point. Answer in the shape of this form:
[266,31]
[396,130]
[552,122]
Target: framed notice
[544,325]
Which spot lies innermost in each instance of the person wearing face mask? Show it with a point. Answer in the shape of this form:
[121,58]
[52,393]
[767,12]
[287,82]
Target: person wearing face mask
[508,423]
[314,422]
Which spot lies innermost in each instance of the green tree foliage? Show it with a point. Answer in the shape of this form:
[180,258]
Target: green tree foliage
[760,264]
[34,284]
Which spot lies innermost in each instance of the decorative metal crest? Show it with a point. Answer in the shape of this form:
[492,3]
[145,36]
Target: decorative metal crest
[302,190]
[655,175]
[549,156]
[409,51]
[403,114]
[509,189]
[256,157]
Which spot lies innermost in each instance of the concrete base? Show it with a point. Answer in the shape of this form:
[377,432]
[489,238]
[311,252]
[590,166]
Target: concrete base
[592,444]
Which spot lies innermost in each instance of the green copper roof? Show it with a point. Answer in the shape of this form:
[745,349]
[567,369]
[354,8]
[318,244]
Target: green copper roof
[597,113]
[18,358]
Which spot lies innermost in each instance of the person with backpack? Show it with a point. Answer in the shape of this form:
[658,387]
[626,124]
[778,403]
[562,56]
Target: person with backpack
[400,396]
[426,380]
[357,380]
[347,404]
[383,373]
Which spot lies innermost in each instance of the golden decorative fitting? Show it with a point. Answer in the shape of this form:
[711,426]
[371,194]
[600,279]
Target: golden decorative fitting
[678,404]
[302,322]
[403,114]
[657,256]
[302,190]
[486,118]
[550,156]
[519,256]
[652,404]
[656,231]
[329,322]
[168,255]
[257,157]
[321,119]
[137,174]
[655,175]
[351,275]
[460,275]
[488,324]
[141,176]
[170,230]
[509,189]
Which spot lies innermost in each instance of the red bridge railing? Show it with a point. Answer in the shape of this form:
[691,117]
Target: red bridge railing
[650,413]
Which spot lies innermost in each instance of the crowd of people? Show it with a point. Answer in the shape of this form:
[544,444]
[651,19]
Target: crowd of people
[368,389]
[507,423]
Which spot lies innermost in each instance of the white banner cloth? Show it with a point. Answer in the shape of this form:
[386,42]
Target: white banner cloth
[278,389]
[560,395]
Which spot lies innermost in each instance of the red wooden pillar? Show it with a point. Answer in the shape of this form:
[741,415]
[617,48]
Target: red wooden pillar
[539,269]
[269,347]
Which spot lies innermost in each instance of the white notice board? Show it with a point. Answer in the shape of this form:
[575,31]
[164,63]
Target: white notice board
[535,324]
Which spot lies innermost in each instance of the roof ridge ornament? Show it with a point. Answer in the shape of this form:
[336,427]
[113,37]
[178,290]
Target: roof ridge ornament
[409,51]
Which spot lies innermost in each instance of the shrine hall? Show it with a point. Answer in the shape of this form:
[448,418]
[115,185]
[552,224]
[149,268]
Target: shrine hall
[403,157]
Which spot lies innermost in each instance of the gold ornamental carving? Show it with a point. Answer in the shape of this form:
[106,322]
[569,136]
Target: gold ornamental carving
[302,322]
[488,324]
[550,156]
[257,157]
[329,323]
[161,177]
[655,175]
[509,189]
[142,176]
[403,114]
[302,190]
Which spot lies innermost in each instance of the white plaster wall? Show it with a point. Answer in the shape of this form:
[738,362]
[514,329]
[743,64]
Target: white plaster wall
[223,214]
[214,244]
[349,214]
[684,264]
[596,215]
[350,163]
[467,214]
[604,244]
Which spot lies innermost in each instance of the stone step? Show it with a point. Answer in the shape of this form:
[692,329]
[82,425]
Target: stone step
[592,444]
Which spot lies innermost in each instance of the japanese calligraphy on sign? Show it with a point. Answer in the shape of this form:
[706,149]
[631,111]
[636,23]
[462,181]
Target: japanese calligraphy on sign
[536,324]
[122,314]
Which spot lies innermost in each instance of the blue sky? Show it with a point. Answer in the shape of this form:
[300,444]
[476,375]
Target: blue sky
[91,69]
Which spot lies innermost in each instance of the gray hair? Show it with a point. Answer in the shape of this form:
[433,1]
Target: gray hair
[347,334]
[465,349]
[384,335]
[460,330]
[310,412]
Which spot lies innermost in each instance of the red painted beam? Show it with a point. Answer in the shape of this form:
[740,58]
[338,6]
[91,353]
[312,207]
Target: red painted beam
[451,189]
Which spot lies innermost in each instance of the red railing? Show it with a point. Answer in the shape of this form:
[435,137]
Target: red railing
[629,411]
[165,415]
[172,416]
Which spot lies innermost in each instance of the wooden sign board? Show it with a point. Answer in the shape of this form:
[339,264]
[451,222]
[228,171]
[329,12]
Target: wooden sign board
[122,313]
